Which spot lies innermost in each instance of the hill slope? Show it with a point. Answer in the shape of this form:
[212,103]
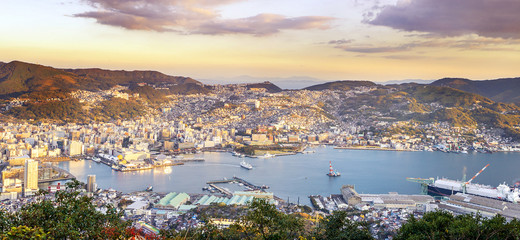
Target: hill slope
[340,85]
[17,78]
[500,90]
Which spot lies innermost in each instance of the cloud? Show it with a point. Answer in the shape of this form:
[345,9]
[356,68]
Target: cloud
[262,24]
[469,42]
[489,18]
[193,17]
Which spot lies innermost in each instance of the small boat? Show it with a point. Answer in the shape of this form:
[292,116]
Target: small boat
[331,172]
[149,188]
[96,159]
[246,165]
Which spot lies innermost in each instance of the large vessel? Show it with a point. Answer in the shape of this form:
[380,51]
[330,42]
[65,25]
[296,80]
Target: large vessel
[447,187]
[331,172]
[246,165]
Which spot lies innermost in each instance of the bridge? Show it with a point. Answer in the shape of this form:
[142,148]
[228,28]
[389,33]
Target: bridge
[51,173]
[46,173]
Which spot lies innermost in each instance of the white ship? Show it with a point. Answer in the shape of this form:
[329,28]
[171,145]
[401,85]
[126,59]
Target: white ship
[246,165]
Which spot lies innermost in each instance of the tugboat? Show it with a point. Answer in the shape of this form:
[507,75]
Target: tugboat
[246,165]
[331,172]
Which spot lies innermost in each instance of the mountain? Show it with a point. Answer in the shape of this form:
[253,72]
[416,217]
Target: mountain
[420,81]
[295,82]
[122,77]
[18,78]
[340,85]
[500,90]
[268,86]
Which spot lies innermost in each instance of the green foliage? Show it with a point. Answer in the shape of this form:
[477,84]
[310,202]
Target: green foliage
[66,110]
[456,116]
[264,221]
[443,225]
[446,96]
[150,94]
[118,108]
[69,216]
[24,232]
[338,226]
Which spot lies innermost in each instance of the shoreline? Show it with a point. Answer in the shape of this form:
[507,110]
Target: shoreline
[376,149]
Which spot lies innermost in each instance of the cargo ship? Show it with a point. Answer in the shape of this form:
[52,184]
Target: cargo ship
[447,187]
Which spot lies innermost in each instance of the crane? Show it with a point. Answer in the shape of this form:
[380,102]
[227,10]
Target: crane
[423,181]
[468,182]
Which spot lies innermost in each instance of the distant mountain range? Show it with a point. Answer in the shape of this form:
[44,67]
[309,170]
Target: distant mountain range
[461,102]
[18,78]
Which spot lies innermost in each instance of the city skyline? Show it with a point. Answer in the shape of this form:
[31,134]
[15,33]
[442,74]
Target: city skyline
[326,40]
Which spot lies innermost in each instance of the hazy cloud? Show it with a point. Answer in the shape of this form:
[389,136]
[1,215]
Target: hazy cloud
[471,42]
[489,18]
[192,17]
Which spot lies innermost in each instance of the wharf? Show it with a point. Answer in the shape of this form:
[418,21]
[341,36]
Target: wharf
[250,185]
[190,160]
[220,181]
[221,190]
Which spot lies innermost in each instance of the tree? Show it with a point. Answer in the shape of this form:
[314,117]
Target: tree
[443,225]
[338,226]
[69,216]
[264,221]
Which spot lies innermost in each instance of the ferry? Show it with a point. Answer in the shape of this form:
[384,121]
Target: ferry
[331,172]
[246,165]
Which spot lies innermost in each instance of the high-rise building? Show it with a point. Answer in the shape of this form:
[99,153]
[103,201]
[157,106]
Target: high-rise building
[91,183]
[75,148]
[30,179]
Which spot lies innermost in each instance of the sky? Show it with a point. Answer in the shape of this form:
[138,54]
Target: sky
[377,40]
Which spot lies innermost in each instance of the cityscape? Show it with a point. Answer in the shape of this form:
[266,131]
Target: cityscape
[242,124]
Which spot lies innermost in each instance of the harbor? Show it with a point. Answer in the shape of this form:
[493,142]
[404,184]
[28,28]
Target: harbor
[365,169]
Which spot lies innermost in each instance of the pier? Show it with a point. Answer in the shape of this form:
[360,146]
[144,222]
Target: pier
[221,190]
[220,181]
[250,185]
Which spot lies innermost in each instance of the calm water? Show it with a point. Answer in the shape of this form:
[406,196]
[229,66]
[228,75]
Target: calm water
[304,174]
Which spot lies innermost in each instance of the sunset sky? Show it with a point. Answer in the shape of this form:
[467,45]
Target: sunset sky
[374,40]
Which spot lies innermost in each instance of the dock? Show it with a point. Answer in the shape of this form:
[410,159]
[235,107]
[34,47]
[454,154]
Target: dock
[221,190]
[219,181]
[250,185]
[190,160]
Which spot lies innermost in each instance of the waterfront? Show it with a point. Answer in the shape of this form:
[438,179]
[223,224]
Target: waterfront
[301,175]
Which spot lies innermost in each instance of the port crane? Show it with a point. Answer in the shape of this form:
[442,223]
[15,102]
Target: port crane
[468,182]
[423,181]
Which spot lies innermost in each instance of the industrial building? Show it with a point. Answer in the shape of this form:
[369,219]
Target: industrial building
[464,203]
[395,200]
[173,200]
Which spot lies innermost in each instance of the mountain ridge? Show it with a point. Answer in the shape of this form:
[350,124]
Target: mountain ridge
[18,78]
[500,90]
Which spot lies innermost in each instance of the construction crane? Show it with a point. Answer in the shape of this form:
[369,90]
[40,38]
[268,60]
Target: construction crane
[423,181]
[468,182]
